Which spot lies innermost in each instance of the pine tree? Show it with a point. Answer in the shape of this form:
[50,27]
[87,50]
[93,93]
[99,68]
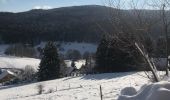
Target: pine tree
[101,55]
[49,67]
[115,55]
[122,56]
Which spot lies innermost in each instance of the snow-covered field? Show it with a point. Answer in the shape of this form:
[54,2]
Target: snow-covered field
[69,88]
[21,62]
[18,62]
[77,88]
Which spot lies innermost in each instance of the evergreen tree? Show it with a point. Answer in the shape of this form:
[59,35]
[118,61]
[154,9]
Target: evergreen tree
[49,67]
[101,55]
[122,56]
[115,55]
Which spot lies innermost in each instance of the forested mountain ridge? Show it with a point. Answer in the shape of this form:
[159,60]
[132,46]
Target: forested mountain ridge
[62,24]
[77,23]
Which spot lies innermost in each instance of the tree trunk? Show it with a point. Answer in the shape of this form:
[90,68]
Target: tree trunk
[149,62]
[165,25]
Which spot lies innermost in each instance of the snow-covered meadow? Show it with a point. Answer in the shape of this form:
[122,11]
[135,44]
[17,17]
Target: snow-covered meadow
[18,62]
[77,88]
[69,88]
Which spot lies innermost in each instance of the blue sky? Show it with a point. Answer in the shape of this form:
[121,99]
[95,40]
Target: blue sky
[24,5]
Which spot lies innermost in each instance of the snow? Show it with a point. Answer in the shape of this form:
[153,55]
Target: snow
[18,62]
[128,91]
[21,62]
[155,91]
[121,86]
[77,88]
[78,63]
[4,73]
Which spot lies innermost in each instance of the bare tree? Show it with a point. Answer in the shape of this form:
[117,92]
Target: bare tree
[165,28]
[163,6]
[136,24]
[28,74]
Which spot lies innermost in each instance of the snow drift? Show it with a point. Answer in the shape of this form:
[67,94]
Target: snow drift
[156,91]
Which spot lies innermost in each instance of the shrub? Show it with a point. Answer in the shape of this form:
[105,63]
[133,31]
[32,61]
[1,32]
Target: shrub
[40,88]
[27,75]
[50,91]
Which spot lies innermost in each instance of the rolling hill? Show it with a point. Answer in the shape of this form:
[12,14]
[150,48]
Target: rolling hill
[61,24]
[78,23]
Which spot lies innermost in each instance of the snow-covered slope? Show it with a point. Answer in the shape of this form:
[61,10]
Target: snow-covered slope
[77,88]
[18,62]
